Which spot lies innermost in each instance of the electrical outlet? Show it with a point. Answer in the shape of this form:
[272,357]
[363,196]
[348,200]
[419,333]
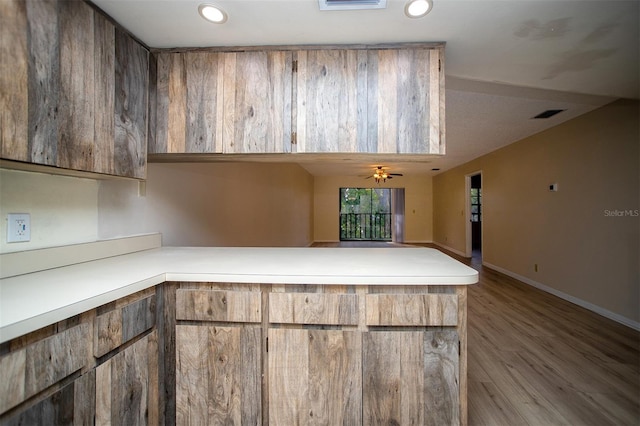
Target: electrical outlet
[18,227]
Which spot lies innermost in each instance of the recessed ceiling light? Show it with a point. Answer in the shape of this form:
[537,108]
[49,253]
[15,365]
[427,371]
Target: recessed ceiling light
[212,13]
[417,8]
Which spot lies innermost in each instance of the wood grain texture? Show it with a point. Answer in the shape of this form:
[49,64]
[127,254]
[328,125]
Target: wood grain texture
[54,358]
[410,377]
[218,372]
[314,377]
[12,385]
[202,121]
[14,106]
[124,382]
[84,399]
[257,102]
[327,100]
[104,95]
[57,409]
[412,309]
[77,85]
[122,324]
[218,305]
[164,66]
[43,81]
[313,308]
[131,104]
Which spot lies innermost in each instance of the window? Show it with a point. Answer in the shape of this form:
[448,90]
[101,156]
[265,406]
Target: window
[365,214]
[476,202]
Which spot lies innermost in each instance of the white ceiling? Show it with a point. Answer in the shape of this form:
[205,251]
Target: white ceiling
[506,60]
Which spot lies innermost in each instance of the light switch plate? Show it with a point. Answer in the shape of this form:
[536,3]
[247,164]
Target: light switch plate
[18,227]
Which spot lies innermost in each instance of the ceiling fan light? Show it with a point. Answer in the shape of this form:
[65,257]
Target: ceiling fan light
[212,13]
[417,8]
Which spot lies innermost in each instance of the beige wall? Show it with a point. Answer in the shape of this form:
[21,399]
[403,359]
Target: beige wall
[213,204]
[418,205]
[63,209]
[582,248]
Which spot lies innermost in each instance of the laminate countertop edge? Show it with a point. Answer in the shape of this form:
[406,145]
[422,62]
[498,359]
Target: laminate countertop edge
[31,301]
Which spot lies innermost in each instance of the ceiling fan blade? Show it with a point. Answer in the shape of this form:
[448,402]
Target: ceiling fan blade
[395,174]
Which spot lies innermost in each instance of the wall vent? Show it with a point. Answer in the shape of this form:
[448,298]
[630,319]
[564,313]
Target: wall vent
[549,113]
[352,4]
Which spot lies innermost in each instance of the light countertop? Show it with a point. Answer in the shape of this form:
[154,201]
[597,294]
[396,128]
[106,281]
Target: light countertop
[34,300]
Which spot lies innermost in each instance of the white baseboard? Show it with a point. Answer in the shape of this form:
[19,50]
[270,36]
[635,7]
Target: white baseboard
[458,252]
[587,305]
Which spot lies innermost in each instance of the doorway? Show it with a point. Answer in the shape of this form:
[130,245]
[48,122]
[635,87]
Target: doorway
[474,209]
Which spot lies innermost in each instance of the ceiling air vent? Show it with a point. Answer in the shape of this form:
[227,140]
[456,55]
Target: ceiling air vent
[351,4]
[549,113]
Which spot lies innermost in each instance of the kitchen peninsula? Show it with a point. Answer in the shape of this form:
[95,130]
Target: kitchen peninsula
[242,335]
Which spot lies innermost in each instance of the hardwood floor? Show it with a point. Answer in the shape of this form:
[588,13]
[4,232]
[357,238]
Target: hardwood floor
[535,359]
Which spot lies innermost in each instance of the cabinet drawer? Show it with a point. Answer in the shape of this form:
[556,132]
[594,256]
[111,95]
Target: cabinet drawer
[412,309]
[313,308]
[218,305]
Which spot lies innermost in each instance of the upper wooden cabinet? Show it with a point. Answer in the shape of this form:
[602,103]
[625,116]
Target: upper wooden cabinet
[360,100]
[370,101]
[223,102]
[74,89]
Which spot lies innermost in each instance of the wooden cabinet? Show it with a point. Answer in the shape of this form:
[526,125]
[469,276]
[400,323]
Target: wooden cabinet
[100,367]
[360,100]
[223,102]
[387,101]
[74,89]
[219,358]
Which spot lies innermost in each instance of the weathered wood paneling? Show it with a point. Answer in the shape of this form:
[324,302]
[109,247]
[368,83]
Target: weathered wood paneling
[52,359]
[13,368]
[43,81]
[218,371]
[315,377]
[126,385]
[218,305]
[203,119]
[131,84]
[58,409]
[257,102]
[121,325]
[328,100]
[313,308]
[411,377]
[412,309]
[14,107]
[104,95]
[76,112]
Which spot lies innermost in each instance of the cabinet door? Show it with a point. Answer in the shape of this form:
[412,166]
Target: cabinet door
[315,377]
[411,377]
[406,101]
[257,102]
[331,101]
[127,385]
[218,375]
[189,103]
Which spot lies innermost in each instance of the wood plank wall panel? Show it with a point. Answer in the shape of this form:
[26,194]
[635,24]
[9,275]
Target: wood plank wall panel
[328,99]
[104,94]
[394,393]
[314,377]
[218,372]
[131,105]
[412,310]
[76,112]
[14,107]
[12,390]
[43,81]
[127,385]
[219,305]
[313,308]
[257,102]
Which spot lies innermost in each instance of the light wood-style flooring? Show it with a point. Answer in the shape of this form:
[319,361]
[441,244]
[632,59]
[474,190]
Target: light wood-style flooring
[535,359]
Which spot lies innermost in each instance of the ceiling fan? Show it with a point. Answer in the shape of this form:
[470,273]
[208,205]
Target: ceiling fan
[381,174]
